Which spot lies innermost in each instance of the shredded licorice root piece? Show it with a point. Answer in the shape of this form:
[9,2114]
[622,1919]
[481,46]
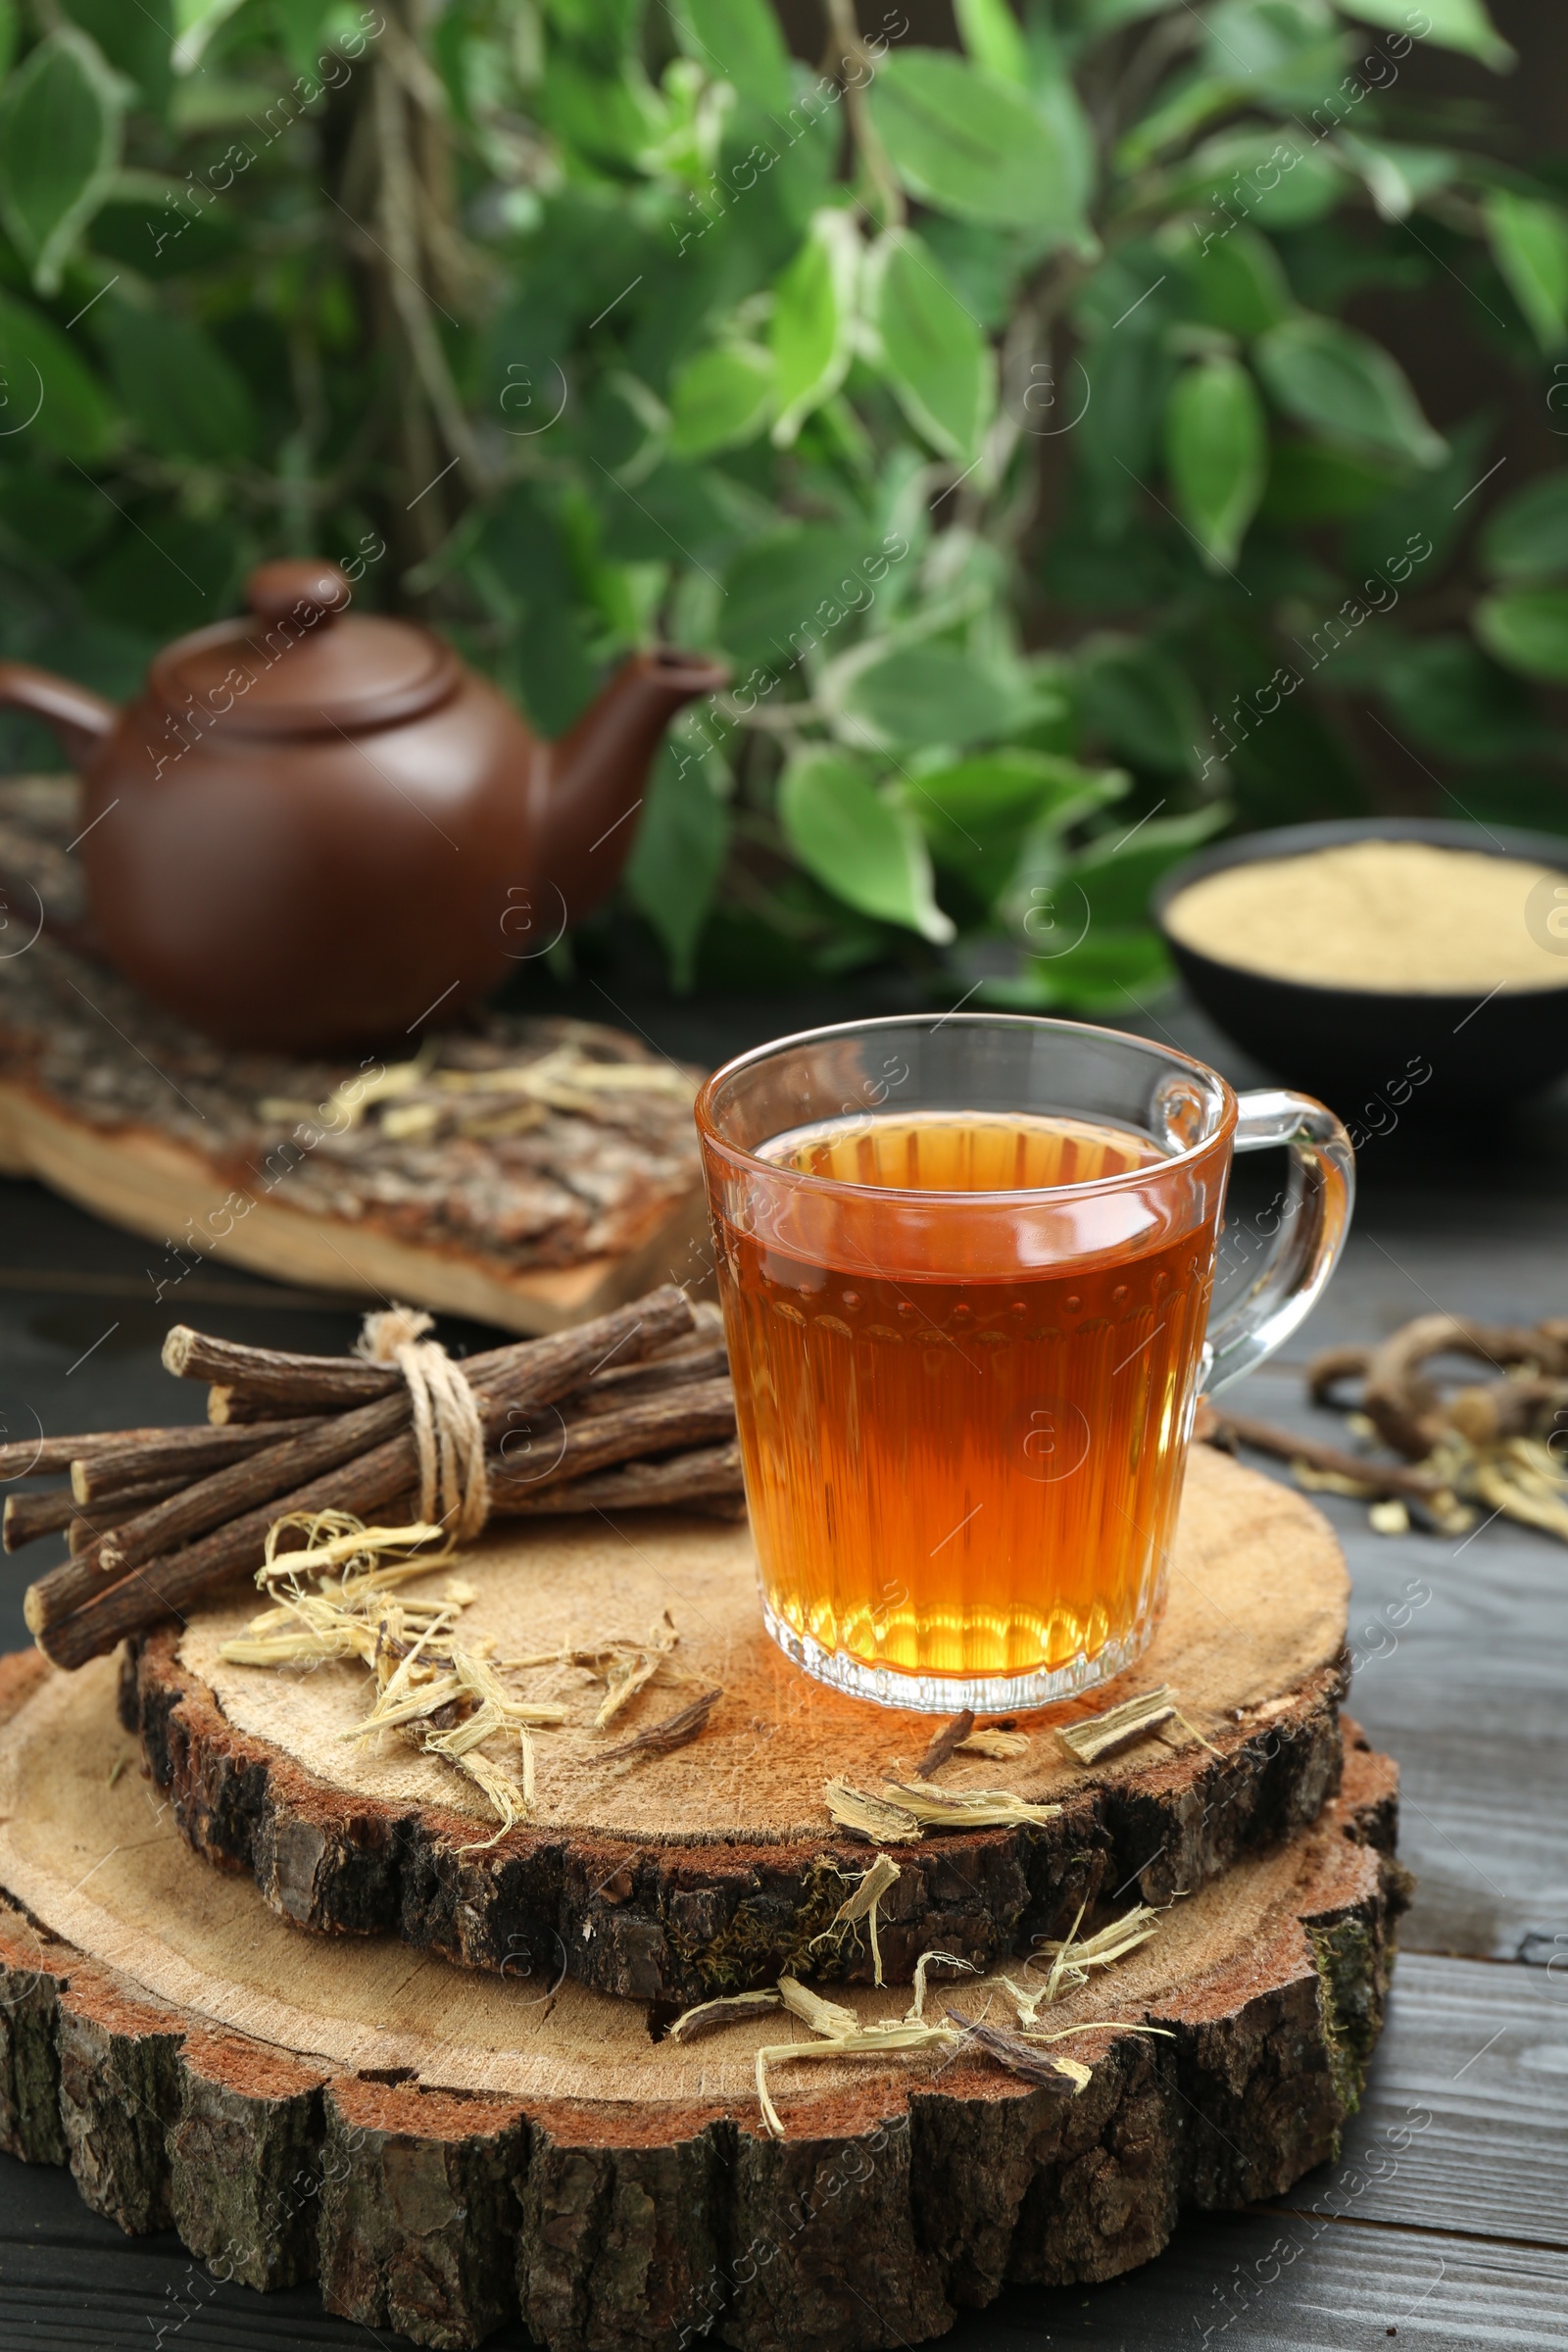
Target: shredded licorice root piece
[869,1888]
[964,1808]
[869,1816]
[628,1670]
[731,2010]
[906,1809]
[842,2035]
[916,2011]
[998,1745]
[951,1735]
[1096,1736]
[1072,1962]
[446,1698]
[1020,2057]
[662,1739]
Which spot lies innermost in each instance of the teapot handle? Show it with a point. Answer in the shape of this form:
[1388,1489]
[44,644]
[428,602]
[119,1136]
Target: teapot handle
[78,717]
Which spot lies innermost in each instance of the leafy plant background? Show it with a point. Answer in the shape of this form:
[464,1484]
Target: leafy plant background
[993,408]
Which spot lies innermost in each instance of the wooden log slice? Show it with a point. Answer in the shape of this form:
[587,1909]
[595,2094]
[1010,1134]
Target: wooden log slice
[714,1868]
[531,1210]
[443,2149]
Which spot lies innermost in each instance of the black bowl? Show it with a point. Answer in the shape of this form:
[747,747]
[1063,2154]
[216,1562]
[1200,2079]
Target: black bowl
[1361,1050]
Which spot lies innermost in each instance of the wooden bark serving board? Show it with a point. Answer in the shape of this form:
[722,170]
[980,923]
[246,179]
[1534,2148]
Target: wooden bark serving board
[506,1177]
[716,1866]
[443,2149]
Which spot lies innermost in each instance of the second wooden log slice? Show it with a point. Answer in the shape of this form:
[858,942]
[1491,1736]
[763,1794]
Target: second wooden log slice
[443,2150]
[717,1867]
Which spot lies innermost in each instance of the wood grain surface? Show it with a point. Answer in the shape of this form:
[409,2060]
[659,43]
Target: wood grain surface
[714,1867]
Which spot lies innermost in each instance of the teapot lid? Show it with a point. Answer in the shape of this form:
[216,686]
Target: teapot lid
[298,663]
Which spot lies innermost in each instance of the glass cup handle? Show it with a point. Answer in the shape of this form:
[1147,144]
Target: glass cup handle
[1312,1217]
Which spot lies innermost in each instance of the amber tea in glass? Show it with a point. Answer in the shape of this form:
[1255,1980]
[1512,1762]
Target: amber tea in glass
[965,1268]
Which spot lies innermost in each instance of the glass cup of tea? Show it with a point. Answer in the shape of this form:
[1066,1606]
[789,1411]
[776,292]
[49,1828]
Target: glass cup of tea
[966,1263]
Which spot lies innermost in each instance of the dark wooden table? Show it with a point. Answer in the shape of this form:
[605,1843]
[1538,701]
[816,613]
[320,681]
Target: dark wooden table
[1445,2222]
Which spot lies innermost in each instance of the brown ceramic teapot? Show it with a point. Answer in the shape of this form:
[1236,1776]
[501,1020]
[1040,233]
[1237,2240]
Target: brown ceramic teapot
[313,828]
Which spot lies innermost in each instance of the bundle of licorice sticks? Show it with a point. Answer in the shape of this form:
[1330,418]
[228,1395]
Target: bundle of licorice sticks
[632,1410]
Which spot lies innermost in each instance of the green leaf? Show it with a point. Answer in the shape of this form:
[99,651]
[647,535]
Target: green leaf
[1216,450]
[1347,388]
[1117,441]
[1399,178]
[934,354]
[814,317]
[993,37]
[977,814]
[675,515]
[1293,767]
[982,266]
[721,399]
[1238,285]
[976,147]
[304,27]
[740,41]
[790,590]
[198,22]
[1461,24]
[1099,18]
[1118,875]
[37,364]
[60,119]
[1527,538]
[1526,628]
[176,386]
[1445,693]
[611,118]
[1289,50]
[1138,700]
[1529,246]
[858,843]
[1308,484]
[169,575]
[1098,973]
[672,874]
[144,222]
[1425,516]
[917,694]
[1183,108]
[59,520]
[137,38]
[1276,180]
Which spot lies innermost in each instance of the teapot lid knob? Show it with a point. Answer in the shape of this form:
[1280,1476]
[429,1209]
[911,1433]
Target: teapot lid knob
[299,586]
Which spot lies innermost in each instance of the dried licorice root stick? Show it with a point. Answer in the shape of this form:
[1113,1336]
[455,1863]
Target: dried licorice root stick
[532,1366]
[168,1587]
[273,1382]
[52,1457]
[713,1474]
[113,1470]
[696,1410]
[72,1626]
[683,1416]
[1379,1478]
[252,1384]
[28,1516]
[227,1493]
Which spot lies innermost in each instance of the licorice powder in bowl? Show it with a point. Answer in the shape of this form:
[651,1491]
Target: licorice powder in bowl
[1400,916]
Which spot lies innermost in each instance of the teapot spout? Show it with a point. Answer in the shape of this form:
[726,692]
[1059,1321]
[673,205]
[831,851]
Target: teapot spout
[595,777]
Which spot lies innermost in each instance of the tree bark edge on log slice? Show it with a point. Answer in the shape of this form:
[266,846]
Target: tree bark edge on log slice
[881,2211]
[680,1924]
